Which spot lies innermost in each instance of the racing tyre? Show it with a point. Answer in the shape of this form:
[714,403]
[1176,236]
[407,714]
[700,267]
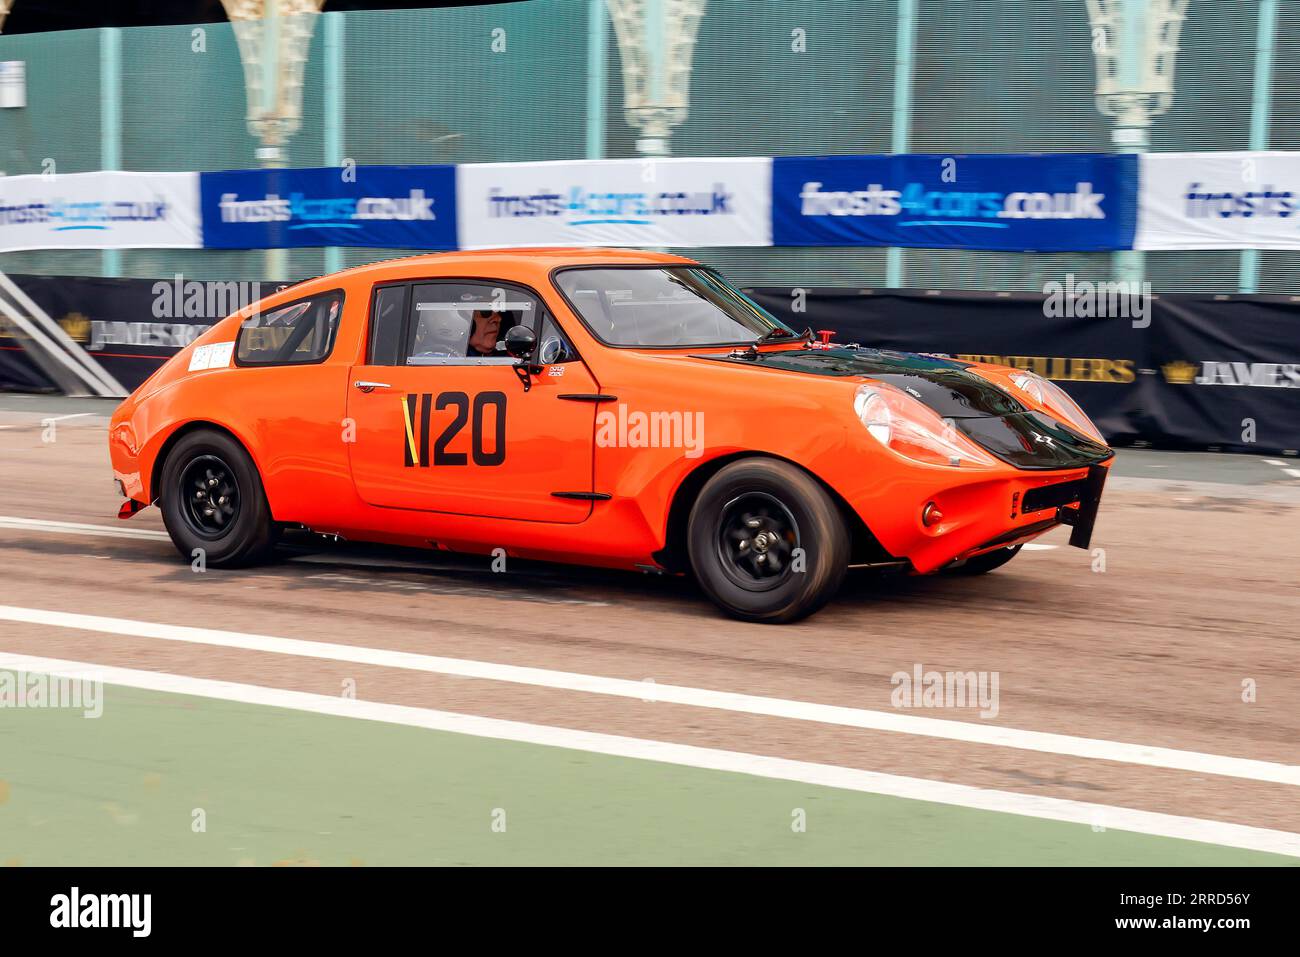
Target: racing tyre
[212,499]
[982,564]
[766,542]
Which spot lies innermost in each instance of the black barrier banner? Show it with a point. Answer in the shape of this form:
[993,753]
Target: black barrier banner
[1174,370]
[1225,373]
[130,326]
[17,372]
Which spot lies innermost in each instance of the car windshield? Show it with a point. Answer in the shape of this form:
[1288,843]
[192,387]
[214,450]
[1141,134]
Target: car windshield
[667,306]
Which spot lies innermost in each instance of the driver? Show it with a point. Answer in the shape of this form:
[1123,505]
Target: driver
[483,337]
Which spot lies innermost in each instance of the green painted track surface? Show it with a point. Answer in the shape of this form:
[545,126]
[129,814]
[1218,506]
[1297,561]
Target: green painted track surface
[281,786]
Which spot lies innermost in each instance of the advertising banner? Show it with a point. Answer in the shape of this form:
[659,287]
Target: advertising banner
[105,210]
[1219,201]
[651,202]
[1028,203]
[389,206]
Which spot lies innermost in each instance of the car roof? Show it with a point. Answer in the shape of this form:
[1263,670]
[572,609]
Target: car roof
[523,262]
[549,256]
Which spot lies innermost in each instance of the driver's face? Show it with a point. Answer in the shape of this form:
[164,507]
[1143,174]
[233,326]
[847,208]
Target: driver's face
[487,325]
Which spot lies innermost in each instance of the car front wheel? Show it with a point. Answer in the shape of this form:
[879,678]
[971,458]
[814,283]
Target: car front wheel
[766,542]
[213,503]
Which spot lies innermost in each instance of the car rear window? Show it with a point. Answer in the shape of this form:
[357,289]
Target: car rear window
[386,317]
[301,332]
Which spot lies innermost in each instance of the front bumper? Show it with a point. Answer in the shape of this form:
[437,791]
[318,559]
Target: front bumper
[994,512]
[1076,503]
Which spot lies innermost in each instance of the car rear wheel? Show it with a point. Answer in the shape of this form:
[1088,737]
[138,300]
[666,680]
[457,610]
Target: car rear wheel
[212,500]
[766,542]
[982,564]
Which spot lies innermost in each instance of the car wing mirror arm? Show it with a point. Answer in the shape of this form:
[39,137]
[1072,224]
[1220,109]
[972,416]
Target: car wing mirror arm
[526,370]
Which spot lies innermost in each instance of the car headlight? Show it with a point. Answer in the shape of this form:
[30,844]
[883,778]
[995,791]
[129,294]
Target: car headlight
[874,413]
[914,430]
[1057,401]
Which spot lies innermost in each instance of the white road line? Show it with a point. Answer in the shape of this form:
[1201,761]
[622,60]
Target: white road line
[77,528]
[1037,547]
[970,732]
[1293,473]
[824,775]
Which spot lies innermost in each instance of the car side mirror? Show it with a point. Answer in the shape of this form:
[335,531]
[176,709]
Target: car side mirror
[520,342]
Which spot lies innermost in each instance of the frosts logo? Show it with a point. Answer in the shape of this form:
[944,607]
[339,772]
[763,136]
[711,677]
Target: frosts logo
[306,213]
[1202,203]
[268,209]
[875,200]
[634,208]
[133,911]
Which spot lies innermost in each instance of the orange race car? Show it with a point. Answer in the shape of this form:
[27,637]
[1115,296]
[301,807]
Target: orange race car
[605,407]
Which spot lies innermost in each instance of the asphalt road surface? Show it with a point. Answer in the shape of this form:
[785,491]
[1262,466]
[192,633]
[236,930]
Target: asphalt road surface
[1153,679]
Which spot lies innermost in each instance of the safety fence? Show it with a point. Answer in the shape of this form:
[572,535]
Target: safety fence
[1173,370]
[544,80]
[1013,203]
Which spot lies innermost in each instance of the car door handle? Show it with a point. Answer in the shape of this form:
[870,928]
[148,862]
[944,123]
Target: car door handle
[370,386]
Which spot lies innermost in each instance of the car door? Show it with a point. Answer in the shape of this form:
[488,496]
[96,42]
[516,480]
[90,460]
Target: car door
[442,421]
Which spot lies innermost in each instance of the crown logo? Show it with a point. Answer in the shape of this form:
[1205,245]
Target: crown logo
[1180,372]
[76,326]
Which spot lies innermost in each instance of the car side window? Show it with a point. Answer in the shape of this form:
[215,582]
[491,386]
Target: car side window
[299,333]
[460,323]
[386,315]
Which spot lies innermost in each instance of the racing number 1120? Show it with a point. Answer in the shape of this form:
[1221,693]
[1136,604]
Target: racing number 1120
[416,409]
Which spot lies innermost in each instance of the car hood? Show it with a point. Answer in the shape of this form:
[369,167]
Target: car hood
[985,412]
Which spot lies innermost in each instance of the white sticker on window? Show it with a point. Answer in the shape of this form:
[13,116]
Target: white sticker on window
[215,356]
[221,353]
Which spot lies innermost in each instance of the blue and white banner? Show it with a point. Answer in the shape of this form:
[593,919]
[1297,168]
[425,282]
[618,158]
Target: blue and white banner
[1219,201]
[633,202]
[106,210]
[391,206]
[1025,203]
[1028,203]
